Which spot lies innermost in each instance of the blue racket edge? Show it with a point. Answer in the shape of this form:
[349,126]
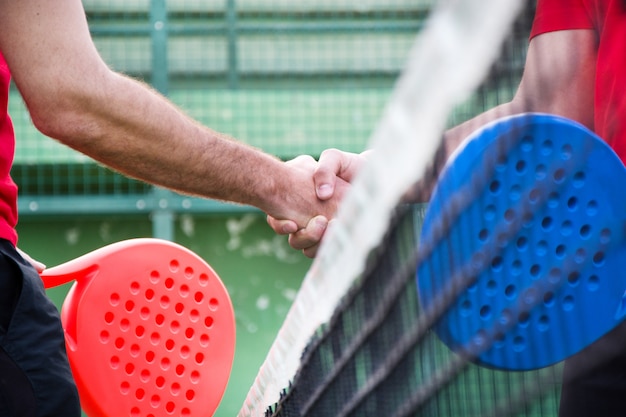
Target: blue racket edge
[523,241]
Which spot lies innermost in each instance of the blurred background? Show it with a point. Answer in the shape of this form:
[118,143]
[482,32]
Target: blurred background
[289,77]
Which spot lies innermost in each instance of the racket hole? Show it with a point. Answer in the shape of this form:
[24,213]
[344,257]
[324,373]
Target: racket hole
[485,312]
[179,308]
[170,407]
[553,199]
[155,338]
[109,317]
[189,272]
[515,193]
[203,279]
[501,163]
[185,412]
[489,213]
[573,279]
[194,315]
[516,267]
[548,299]
[135,412]
[572,203]
[555,276]
[150,356]
[535,270]
[199,358]
[180,370]
[580,255]
[114,362]
[593,283]
[169,344]
[543,323]
[198,296]
[155,401]
[134,350]
[496,264]
[149,294]
[510,291]
[483,235]
[190,395]
[540,172]
[169,283]
[494,187]
[189,333]
[520,166]
[134,288]
[159,319]
[213,304]
[174,265]
[585,231]
[204,340]
[165,301]
[140,331]
[519,343]
[568,303]
[546,147]
[522,243]
[144,313]
[579,179]
[114,299]
[208,322]
[185,352]
[194,377]
[592,208]
[175,389]
[534,195]
[184,291]
[155,277]
[119,343]
[129,306]
[129,369]
[559,175]
[524,318]
[165,364]
[145,375]
[125,387]
[605,236]
[526,143]
[546,223]
[140,394]
[174,327]
[560,251]
[567,228]
[160,382]
[566,151]
[509,215]
[542,248]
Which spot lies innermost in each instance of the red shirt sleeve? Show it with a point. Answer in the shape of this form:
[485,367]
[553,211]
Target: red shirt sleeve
[553,15]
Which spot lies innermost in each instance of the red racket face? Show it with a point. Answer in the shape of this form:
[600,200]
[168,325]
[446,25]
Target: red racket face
[150,331]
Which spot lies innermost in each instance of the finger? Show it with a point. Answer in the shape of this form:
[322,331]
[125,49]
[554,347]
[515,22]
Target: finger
[39,267]
[282,227]
[311,235]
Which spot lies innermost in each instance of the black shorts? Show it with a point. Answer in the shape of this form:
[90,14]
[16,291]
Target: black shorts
[35,377]
[594,380]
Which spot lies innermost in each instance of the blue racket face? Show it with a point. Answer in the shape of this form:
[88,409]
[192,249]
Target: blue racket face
[525,235]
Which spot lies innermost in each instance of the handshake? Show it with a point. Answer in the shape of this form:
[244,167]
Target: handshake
[330,178]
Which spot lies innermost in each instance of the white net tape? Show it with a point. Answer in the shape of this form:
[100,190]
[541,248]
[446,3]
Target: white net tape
[449,59]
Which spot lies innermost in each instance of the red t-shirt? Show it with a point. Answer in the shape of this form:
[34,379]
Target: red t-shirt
[8,189]
[608,19]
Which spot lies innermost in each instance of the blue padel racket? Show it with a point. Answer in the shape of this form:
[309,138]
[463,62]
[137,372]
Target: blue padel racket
[523,243]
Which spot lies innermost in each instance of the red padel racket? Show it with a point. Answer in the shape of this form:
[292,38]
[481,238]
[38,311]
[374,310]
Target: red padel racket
[149,329]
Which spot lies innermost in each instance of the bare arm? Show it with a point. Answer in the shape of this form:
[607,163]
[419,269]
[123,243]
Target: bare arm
[75,98]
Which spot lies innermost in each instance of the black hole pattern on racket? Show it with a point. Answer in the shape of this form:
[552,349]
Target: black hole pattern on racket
[160,321]
[562,228]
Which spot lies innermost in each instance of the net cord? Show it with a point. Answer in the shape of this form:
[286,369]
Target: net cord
[449,59]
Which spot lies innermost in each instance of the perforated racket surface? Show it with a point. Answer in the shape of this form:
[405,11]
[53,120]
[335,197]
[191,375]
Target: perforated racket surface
[540,242]
[149,329]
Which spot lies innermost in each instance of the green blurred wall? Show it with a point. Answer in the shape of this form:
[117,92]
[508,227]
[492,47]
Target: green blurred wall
[261,272]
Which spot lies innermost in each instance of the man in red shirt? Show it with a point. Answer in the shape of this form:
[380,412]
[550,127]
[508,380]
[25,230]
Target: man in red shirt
[72,96]
[575,67]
